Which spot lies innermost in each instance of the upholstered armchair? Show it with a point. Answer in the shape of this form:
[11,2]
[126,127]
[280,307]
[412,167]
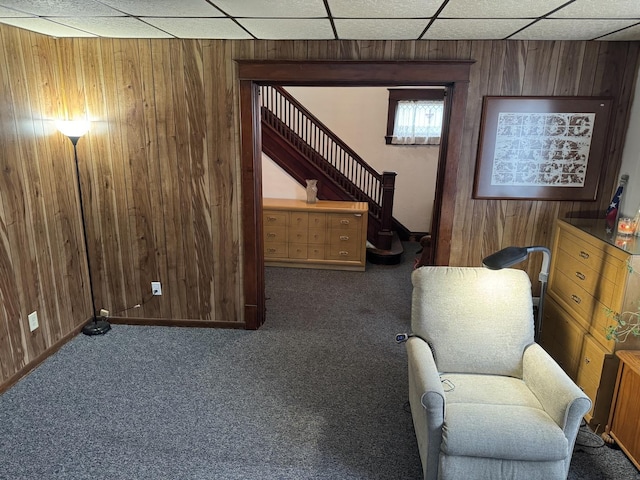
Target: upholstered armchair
[487,402]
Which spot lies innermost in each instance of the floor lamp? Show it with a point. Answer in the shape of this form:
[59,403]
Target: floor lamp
[510,256]
[74,129]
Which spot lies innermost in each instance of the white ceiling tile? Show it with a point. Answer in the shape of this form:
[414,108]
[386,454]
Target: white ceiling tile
[220,28]
[45,27]
[114,27]
[273,9]
[384,8]
[165,8]
[473,29]
[499,8]
[627,35]
[599,9]
[8,12]
[565,29]
[289,29]
[61,8]
[379,29]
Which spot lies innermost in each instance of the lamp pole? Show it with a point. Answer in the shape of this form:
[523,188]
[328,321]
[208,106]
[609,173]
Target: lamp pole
[75,130]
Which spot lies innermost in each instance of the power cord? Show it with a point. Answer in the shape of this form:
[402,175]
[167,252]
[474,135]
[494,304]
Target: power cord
[137,305]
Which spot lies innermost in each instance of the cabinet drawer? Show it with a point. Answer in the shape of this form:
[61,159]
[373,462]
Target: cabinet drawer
[338,252]
[344,222]
[345,240]
[298,235]
[276,250]
[317,236]
[316,252]
[274,234]
[317,220]
[586,277]
[574,297]
[274,219]
[299,220]
[561,337]
[297,250]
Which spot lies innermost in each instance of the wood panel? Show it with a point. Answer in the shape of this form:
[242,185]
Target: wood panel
[161,169]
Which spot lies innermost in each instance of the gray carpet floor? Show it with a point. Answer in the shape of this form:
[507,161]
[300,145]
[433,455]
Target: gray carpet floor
[319,392]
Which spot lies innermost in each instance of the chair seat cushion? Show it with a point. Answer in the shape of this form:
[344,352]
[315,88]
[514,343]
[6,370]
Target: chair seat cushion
[509,432]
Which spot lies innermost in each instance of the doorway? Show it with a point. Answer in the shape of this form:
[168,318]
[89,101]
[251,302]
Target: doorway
[454,75]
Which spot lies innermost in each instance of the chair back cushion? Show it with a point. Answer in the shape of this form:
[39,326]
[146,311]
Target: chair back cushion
[475,320]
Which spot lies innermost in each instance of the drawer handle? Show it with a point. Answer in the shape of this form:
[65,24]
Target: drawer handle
[344,253]
[580,275]
[344,238]
[271,235]
[576,299]
[271,219]
[271,250]
[344,222]
[587,360]
[357,214]
[584,254]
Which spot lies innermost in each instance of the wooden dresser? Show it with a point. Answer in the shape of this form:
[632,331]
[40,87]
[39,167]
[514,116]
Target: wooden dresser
[589,275]
[326,234]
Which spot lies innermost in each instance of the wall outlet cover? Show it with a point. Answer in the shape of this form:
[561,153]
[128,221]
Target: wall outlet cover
[156,288]
[33,321]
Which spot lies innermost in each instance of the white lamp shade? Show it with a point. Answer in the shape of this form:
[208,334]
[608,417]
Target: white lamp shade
[73,128]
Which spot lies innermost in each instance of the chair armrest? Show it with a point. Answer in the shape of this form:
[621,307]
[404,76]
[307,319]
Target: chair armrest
[560,397]
[426,397]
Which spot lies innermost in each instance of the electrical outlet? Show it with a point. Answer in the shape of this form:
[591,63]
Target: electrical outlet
[104,313]
[33,321]
[156,288]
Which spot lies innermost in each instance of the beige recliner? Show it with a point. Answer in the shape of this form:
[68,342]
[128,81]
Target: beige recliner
[487,402]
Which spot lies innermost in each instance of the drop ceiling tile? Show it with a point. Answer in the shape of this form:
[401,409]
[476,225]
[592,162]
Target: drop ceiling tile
[473,29]
[596,9]
[8,12]
[627,35]
[273,9]
[379,29]
[499,8]
[289,28]
[114,27]
[220,28]
[61,8]
[45,27]
[165,8]
[565,29]
[384,8]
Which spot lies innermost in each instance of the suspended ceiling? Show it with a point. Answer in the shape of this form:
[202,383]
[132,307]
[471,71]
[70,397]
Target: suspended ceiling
[608,20]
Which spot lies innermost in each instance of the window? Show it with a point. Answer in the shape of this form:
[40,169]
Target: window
[415,116]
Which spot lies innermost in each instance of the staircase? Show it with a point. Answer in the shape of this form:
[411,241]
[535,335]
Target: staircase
[305,148]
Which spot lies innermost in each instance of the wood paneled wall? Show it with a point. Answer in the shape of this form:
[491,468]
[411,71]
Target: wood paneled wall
[161,169]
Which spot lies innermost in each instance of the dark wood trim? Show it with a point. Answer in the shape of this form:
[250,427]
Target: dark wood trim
[167,322]
[452,74]
[24,371]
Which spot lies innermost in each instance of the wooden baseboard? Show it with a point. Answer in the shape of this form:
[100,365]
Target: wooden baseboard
[167,322]
[24,371]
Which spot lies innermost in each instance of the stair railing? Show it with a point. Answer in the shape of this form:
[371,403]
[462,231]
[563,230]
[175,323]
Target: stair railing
[331,155]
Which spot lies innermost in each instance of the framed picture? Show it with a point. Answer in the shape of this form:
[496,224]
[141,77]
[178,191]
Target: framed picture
[541,148]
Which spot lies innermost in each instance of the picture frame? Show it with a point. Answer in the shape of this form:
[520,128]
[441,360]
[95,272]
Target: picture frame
[541,148]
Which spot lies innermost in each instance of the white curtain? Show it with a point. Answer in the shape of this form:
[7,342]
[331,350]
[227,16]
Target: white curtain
[418,122]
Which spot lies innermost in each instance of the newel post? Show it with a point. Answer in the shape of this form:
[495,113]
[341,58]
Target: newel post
[388,187]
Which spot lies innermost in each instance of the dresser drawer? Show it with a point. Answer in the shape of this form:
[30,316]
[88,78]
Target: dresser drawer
[298,235]
[316,252]
[340,252]
[561,337]
[274,219]
[574,298]
[590,255]
[273,234]
[317,220]
[317,236]
[586,277]
[299,220]
[276,250]
[297,250]
[340,222]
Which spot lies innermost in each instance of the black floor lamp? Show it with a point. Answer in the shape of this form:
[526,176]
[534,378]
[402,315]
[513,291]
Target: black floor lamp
[510,256]
[74,129]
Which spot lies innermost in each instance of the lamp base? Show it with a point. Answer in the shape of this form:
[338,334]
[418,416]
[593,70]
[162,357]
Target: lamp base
[97,327]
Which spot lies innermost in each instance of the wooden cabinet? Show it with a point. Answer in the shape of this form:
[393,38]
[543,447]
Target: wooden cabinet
[624,419]
[590,276]
[326,234]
